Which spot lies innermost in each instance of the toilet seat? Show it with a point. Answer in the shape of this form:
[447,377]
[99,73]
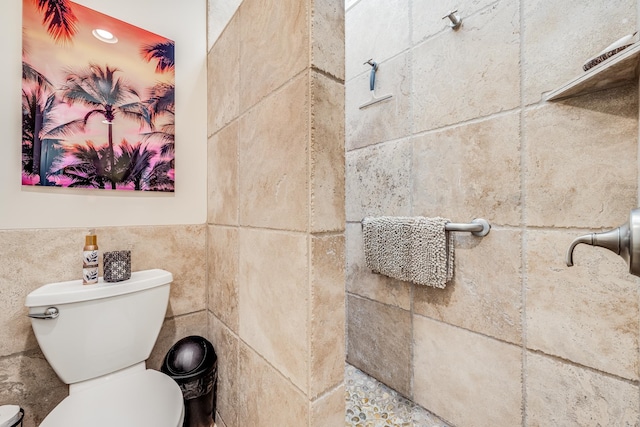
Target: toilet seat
[143,398]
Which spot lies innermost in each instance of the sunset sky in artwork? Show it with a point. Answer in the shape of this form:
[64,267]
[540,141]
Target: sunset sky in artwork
[55,60]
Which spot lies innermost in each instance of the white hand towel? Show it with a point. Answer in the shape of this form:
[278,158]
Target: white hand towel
[414,249]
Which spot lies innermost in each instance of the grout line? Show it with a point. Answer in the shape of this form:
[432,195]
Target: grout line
[326,392]
[479,119]
[523,216]
[569,362]
[474,120]
[326,74]
[412,365]
[310,219]
[274,92]
[238,171]
[270,229]
[207,246]
[270,365]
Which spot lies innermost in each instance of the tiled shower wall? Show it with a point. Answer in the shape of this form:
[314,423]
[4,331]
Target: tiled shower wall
[276,214]
[32,258]
[517,338]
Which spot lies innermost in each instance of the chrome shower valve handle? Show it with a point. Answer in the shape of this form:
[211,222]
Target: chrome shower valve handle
[623,241]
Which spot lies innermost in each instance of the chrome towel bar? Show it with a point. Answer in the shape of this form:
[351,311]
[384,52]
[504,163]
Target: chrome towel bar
[478,227]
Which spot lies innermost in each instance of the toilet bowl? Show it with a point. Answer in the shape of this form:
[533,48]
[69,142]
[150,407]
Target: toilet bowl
[97,338]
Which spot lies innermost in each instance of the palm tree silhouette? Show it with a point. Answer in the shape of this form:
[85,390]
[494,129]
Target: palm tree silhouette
[59,19]
[30,74]
[163,52]
[159,178]
[161,104]
[37,105]
[133,163]
[107,96]
[38,100]
[88,168]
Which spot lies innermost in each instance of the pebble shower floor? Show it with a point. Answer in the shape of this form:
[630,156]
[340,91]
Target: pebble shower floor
[372,404]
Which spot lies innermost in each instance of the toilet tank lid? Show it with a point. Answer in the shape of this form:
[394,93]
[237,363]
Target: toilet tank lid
[74,291]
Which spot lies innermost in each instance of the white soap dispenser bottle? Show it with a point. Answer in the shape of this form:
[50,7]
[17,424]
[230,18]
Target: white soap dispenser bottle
[90,259]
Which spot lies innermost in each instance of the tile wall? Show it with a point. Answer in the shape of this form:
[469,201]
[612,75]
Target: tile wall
[517,338]
[276,214]
[32,258]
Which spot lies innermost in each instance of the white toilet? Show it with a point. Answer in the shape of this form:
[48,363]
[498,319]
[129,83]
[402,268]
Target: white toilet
[97,338]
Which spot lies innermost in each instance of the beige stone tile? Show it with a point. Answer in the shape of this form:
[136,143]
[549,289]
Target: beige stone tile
[264,392]
[361,281]
[378,181]
[386,120]
[57,255]
[377,29]
[172,331]
[379,342]
[587,313]
[327,333]
[483,297]
[469,171]
[554,49]
[223,78]
[222,173]
[581,168]
[329,410]
[327,37]
[327,154]
[274,300]
[226,344]
[561,394]
[274,35]
[179,249]
[465,378]
[273,141]
[427,20]
[223,275]
[28,381]
[471,73]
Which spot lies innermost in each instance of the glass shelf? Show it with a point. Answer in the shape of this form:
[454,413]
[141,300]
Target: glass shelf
[618,70]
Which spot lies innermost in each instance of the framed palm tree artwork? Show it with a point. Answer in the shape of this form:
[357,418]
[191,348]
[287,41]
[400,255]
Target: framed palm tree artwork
[98,107]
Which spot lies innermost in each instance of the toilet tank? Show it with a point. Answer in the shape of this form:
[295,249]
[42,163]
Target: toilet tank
[101,328]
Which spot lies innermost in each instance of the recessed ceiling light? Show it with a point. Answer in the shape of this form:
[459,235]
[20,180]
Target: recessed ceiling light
[104,36]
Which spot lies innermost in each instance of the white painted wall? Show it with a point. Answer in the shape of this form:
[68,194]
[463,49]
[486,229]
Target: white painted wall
[46,207]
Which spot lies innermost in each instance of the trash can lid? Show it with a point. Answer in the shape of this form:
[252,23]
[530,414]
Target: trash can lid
[9,415]
[189,358]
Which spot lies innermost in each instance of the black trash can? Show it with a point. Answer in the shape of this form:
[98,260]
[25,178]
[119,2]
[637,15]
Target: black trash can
[193,364]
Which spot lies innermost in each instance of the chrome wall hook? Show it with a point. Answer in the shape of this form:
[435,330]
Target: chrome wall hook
[373,64]
[456,21]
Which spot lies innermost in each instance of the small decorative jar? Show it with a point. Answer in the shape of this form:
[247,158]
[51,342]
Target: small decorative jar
[117,266]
